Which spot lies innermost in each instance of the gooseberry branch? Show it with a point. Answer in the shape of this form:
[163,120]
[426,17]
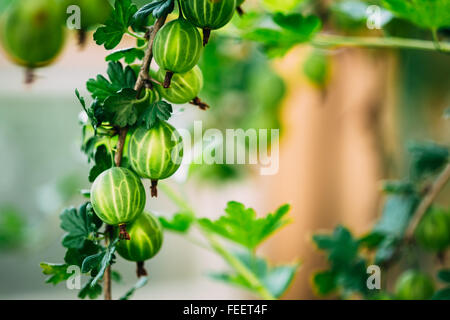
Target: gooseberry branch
[142,81]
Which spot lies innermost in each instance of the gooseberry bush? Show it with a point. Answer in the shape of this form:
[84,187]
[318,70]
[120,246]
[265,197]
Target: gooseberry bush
[126,138]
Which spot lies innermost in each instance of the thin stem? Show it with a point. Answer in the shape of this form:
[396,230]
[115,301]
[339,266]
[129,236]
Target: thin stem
[437,45]
[327,40]
[107,274]
[428,200]
[237,265]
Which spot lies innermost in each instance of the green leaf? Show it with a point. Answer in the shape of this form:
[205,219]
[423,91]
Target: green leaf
[443,294]
[160,110]
[398,187]
[116,26]
[241,225]
[12,228]
[444,275]
[156,8]
[97,263]
[275,279]
[181,222]
[90,291]
[324,282]
[341,247]
[119,78]
[352,14]
[427,158]
[129,55]
[139,284]
[76,256]
[79,224]
[103,162]
[430,14]
[56,272]
[121,109]
[293,29]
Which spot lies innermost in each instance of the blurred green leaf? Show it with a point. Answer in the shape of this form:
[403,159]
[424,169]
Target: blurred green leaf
[398,187]
[294,29]
[275,279]
[324,282]
[281,6]
[241,225]
[353,14]
[181,222]
[56,272]
[12,228]
[139,284]
[341,247]
[427,158]
[443,294]
[79,224]
[424,13]
[444,275]
[116,26]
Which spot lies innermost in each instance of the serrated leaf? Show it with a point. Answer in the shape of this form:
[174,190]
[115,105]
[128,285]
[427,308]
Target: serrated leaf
[424,13]
[121,109]
[241,225]
[56,272]
[275,279]
[155,8]
[160,110]
[116,26]
[119,78]
[129,55]
[103,162]
[79,224]
[180,222]
[139,284]
[92,292]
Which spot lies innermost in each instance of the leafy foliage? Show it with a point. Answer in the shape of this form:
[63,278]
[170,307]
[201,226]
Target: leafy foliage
[292,29]
[160,110]
[180,222]
[119,78]
[117,25]
[79,224]
[56,272]
[427,158]
[241,225]
[96,264]
[103,162]
[424,13]
[276,279]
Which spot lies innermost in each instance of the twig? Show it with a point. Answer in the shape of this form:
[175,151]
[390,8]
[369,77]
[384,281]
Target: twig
[428,200]
[107,274]
[199,103]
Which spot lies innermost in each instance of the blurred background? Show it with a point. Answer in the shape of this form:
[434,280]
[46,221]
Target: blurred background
[345,117]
